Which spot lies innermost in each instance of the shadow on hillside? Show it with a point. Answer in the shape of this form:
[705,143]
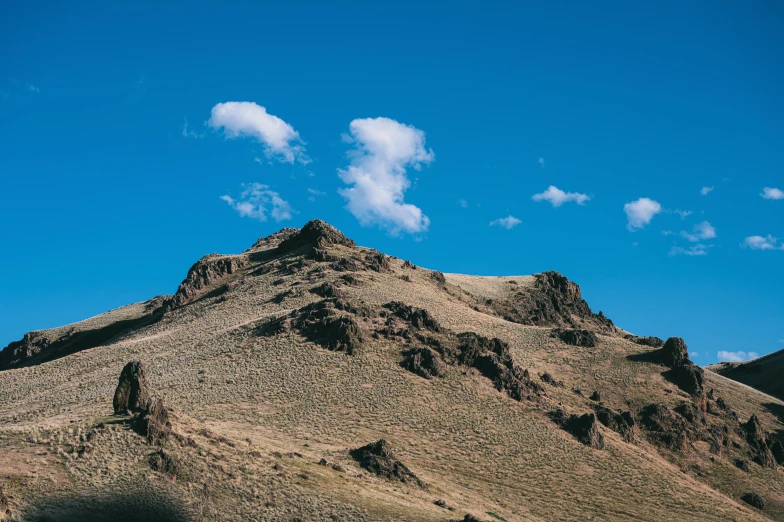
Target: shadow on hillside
[76,342]
[652,356]
[778,411]
[142,505]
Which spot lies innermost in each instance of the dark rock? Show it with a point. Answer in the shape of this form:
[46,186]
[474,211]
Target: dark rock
[665,427]
[417,317]
[377,458]
[675,352]
[742,465]
[327,290]
[320,323]
[154,423]
[204,274]
[315,234]
[323,462]
[690,412]
[755,436]
[467,518]
[585,428]
[132,394]
[777,449]
[164,462]
[441,503]
[595,396]
[377,262]
[585,338]
[621,423]
[409,264]
[424,362]
[753,500]
[548,379]
[438,277]
[688,377]
[653,342]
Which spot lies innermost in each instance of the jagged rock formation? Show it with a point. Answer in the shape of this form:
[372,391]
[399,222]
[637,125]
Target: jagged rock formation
[585,428]
[377,458]
[622,423]
[132,394]
[424,362]
[683,373]
[653,342]
[755,436]
[203,275]
[585,338]
[153,422]
[417,317]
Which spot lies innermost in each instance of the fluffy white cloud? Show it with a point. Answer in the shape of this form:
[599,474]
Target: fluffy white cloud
[255,202]
[763,243]
[508,222]
[706,190]
[739,356]
[639,213]
[384,149]
[701,231]
[248,119]
[558,197]
[694,250]
[772,193]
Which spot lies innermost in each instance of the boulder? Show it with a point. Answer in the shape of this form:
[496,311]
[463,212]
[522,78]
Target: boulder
[586,429]
[377,458]
[132,394]
[753,500]
[621,423]
[585,338]
[153,422]
[416,317]
[315,234]
[675,352]
[424,362]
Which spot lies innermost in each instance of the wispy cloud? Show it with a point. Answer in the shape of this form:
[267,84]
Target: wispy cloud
[188,133]
[694,250]
[248,119]
[558,197]
[314,193]
[508,222]
[701,231]
[706,190]
[682,213]
[772,193]
[762,243]
[32,88]
[541,162]
[463,203]
[383,150]
[738,356]
[257,200]
[639,213]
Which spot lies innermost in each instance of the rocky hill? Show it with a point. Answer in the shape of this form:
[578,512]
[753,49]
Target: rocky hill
[308,378]
[763,373]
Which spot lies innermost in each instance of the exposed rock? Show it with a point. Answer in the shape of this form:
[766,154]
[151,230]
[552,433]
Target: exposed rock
[424,362]
[441,503]
[327,290]
[585,428]
[683,373]
[665,427]
[753,500]
[132,394]
[163,462]
[584,338]
[315,234]
[653,342]
[438,277]
[742,465]
[692,414]
[154,423]
[273,240]
[377,458]
[467,518]
[549,379]
[409,264]
[203,275]
[417,317]
[755,436]
[377,262]
[320,323]
[675,352]
[595,396]
[777,449]
[621,423]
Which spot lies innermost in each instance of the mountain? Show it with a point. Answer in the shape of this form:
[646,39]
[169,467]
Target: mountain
[308,378]
[763,373]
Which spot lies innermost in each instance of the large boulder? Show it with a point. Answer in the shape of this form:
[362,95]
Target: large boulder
[753,500]
[132,394]
[377,458]
[153,422]
[675,352]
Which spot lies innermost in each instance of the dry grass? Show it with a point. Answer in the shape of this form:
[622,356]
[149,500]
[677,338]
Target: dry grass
[251,403]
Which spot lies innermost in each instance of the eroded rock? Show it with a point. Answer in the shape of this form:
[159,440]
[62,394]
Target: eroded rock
[154,423]
[203,275]
[132,394]
[573,337]
[585,428]
[416,317]
[620,422]
[322,324]
[424,362]
[753,500]
[377,458]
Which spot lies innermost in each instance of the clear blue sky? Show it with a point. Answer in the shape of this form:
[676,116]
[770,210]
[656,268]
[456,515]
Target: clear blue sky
[108,198]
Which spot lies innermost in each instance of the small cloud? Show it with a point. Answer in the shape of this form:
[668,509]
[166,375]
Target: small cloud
[639,213]
[682,213]
[706,190]
[314,193]
[383,150]
[258,160]
[694,354]
[32,88]
[762,243]
[508,222]
[738,356]
[255,202]
[635,244]
[695,250]
[772,193]
[541,162]
[558,197]
[463,203]
[248,119]
[667,232]
[701,231]
[187,133]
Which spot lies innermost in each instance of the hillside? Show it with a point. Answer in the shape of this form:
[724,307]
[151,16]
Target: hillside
[763,373]
[308,379]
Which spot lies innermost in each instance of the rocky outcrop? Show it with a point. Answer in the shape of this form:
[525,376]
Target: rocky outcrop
[755,436]
[665,427]
[585,428]
[322,324]
[153,422]
[316,234]
[416,317]
[377,458]
[164,462]
[653,342]
[584,338]
[132,394]
[753,500]
[620,422]
[203,275]
[424,362]
[683,373]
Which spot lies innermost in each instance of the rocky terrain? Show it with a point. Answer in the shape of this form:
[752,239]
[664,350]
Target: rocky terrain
[308,379]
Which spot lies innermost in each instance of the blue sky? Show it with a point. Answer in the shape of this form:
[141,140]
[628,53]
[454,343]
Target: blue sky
[427,130]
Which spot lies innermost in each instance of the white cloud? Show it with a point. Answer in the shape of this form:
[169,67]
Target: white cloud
[762,243]
[695,250]
[682,213]
[463,203]
[541,162]
[739,356]
[694,354]
[508,222]
[640,213]
[558,197]
[187,133]
[772,193]
[384,149]
[32,88]
[315,193]
[240,119]
[255,201]
[706,190]
[701,231]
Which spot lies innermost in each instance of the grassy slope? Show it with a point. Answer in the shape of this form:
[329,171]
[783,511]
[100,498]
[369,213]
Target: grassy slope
[250,402]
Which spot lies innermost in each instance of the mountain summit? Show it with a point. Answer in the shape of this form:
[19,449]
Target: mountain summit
[308,378]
